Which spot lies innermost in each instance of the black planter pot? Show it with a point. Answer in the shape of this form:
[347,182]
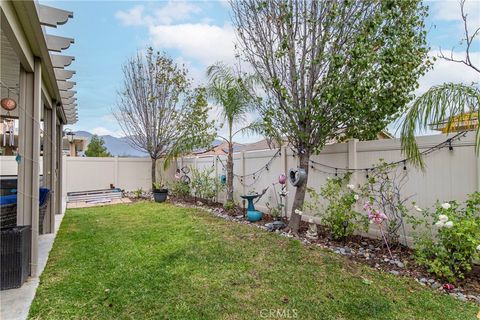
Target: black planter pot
[160,195]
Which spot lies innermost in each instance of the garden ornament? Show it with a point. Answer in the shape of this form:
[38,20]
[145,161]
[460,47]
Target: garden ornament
[448,287]
[8,104]
[282,179]
[297,177]
[312,232]
[377,217]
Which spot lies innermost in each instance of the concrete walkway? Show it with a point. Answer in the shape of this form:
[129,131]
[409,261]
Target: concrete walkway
[15,303]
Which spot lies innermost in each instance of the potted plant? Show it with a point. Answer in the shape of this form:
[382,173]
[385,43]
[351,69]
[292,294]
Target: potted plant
[159,192]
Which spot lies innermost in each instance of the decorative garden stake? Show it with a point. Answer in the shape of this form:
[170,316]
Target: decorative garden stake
[378,218]
[345,226]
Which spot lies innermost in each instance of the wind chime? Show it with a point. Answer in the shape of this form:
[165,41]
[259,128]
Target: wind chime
[8,123]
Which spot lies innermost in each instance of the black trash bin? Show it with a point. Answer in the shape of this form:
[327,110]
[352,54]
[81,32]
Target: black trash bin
[16,243]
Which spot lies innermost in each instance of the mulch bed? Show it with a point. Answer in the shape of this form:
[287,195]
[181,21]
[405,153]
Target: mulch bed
[364,250]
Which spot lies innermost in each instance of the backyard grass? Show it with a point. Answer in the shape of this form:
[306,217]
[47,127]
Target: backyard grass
[158,261]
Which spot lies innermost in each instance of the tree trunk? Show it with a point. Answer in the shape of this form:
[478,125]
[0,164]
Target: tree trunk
[230,172]
[154,170]
[295,219]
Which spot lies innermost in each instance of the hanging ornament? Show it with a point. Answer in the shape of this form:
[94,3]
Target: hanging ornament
[8,128]
[8,104]
[282,179]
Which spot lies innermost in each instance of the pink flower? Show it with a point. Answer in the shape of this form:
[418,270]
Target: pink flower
[377,216]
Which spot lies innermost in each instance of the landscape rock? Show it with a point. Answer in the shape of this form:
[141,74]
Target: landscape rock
[394,272]
[436,285]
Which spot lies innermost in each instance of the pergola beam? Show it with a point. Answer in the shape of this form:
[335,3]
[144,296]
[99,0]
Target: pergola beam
[61,61]
[68,101]
[52,17]
[67,94]
[62,74]
[65,85]
[57,44]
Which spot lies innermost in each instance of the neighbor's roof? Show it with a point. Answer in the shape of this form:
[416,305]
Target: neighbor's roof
[460,122]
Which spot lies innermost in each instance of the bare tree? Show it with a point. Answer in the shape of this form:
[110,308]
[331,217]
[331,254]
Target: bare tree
[469,37]
[157,111]
[331,69]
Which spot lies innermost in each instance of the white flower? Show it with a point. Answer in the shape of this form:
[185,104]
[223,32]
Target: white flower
[298,212]
[350,186]
[448,224]
[478,247]
[443,218]
[439,224]
[356,197]
[446,205]
[418,208]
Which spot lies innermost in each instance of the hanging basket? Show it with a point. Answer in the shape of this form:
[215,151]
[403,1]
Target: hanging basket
[8,104]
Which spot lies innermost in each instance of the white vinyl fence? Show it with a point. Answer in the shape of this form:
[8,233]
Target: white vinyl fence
[449,174]
[85,174]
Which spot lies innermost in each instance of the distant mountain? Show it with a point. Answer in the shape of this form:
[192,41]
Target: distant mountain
[120,147]
[116,146]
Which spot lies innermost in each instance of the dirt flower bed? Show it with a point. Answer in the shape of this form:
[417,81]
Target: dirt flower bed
[357,248]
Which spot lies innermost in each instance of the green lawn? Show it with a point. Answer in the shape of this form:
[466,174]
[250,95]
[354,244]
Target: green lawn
[157,261]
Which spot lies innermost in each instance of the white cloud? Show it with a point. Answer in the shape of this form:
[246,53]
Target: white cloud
[132,17]
[102,131]
[167,14]
[175,11]
[204,42]
[449,10]
[447,71]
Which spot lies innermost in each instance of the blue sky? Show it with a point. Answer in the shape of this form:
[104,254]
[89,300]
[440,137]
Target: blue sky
[196,33]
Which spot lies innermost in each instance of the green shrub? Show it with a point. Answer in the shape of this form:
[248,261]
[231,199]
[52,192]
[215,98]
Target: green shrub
[339,216]
[204,184]
[138,193]
[180,189]
[229,205]
[450,254]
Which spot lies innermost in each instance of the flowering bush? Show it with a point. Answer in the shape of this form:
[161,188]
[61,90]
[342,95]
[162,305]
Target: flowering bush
[339,216]
[384,191]
[456,245]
